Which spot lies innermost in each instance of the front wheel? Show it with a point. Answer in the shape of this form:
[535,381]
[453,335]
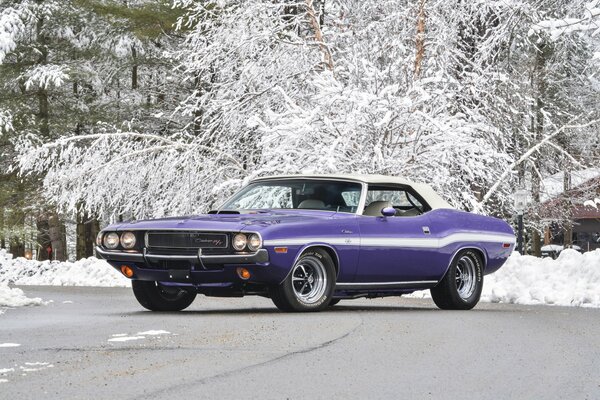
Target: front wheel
[460,288]
[309,285]
[156,297]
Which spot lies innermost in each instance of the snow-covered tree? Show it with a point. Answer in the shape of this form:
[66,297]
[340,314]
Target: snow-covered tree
[68,65]
[453,93]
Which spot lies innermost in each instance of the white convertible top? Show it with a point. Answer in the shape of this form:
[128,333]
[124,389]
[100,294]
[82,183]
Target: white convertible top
[429,195]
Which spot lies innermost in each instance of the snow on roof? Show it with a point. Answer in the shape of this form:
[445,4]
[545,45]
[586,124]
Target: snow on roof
[431,197]
[553,186]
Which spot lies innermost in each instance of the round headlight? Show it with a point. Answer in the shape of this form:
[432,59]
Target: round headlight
[254,242]
[128,240]
[99,238]
[239,242]
[111,240]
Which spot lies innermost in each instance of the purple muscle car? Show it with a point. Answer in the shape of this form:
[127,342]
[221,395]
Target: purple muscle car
[308,242]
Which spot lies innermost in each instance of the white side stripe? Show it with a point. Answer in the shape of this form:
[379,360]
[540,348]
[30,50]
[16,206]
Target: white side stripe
[428,242]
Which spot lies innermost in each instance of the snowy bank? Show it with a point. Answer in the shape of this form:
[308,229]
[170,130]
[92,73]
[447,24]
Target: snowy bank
[85,272]
[573,279]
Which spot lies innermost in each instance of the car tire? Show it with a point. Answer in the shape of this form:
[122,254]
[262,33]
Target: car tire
[460,289]
[333,302]
[155,297]
[310,284]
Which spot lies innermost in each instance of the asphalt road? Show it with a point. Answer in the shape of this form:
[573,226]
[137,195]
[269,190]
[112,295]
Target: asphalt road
[244,348]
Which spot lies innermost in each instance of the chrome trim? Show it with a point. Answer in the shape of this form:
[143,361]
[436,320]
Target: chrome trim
[343,284]
[119,255]
[159,257]
[248,233]
[363,199]
[139,257]
[408,285]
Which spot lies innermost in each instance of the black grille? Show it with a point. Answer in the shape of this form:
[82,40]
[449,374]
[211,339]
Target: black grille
[186,240]
[186,252]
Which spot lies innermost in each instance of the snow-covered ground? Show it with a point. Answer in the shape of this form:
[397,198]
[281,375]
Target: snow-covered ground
[14,297]
[571,280]
[20,271]
[86,272]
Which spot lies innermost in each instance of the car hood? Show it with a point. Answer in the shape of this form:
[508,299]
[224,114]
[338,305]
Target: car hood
[227,222]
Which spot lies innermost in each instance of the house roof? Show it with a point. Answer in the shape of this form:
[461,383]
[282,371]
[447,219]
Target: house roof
[553,186]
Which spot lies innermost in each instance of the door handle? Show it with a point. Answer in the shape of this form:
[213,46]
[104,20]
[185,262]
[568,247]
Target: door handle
[426,230]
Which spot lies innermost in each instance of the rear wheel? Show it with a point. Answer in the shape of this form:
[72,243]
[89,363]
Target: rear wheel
[156,297]
[460,289]
[310,284]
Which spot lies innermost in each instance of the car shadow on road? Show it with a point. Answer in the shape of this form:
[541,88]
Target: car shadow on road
[338,309]
[268,310]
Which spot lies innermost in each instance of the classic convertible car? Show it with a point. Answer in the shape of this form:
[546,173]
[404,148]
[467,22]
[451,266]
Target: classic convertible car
[308,242]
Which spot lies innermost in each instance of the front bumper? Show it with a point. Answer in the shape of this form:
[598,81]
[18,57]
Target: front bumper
[203,270]
[259,257]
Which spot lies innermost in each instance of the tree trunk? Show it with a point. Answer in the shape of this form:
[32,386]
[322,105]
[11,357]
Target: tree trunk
[539,85]
[420,39]
[44,245]
[316,27]
[57,234]
[17,247]
[2,237]
[87,229]
[568,229]
[134,69]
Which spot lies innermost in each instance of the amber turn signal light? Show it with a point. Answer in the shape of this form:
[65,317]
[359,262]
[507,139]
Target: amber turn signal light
[127,271]
[243,273]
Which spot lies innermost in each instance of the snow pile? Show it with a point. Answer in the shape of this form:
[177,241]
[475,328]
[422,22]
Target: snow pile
[85,272]
[573,279]
[14,297]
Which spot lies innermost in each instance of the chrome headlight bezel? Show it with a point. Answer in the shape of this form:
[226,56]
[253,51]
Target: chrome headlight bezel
[99,238]
[239,242]
[254,242]
[111,240]
[128,240]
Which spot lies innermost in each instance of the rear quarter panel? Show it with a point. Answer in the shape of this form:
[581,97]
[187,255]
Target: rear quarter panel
[458,229]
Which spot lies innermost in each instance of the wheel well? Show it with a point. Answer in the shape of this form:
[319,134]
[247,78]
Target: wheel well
[331,252]
[479,252]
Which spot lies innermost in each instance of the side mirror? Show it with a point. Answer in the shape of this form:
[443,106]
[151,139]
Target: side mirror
[388,212]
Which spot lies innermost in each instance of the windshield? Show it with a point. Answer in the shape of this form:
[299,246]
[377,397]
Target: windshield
[297,194]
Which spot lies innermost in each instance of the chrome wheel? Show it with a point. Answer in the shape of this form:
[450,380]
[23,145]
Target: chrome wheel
[309,279]
[466,277]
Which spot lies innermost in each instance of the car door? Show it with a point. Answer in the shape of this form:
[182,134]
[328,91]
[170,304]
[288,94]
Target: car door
[399,248]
